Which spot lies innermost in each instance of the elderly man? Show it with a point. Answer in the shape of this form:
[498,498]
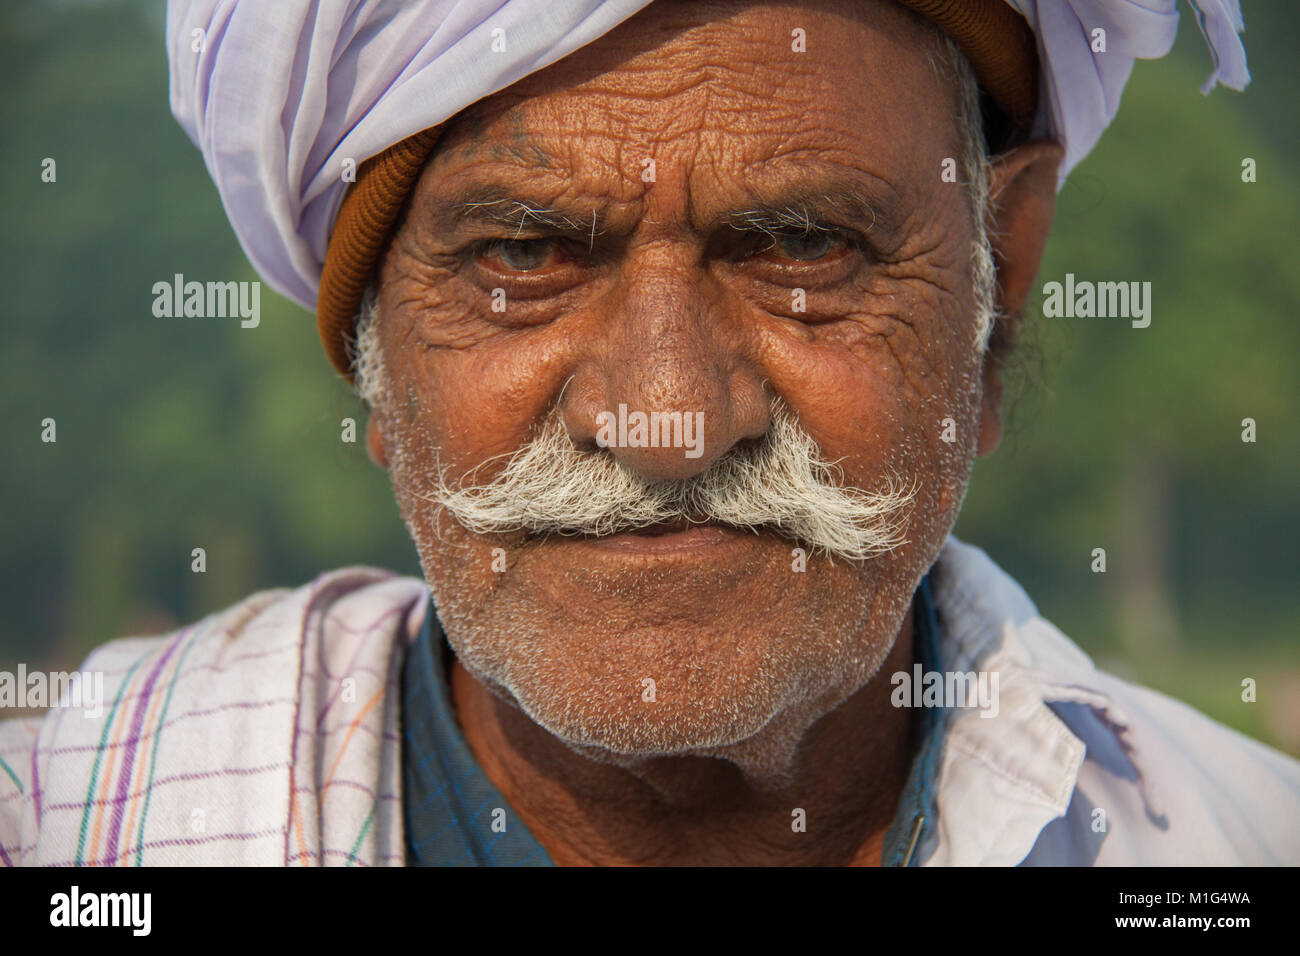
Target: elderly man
[680,326]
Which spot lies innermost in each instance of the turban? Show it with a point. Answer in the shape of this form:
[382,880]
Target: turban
[287,99]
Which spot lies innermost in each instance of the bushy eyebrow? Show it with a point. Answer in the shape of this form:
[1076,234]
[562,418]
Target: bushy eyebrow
[491,208]
[806,213]
[802,209]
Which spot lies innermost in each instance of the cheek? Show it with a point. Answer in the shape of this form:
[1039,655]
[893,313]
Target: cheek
[460,410]
[887,400]
[467,403]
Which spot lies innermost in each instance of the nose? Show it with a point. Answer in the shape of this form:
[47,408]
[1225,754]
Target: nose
[672,386]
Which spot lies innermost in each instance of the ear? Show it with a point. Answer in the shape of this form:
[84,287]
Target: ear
[1023,199]
[375,443]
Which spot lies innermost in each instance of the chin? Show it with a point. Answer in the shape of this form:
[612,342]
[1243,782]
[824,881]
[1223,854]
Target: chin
[643,650]
[619,692]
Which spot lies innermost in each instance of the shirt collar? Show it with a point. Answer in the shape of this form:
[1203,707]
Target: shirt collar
[1003,778]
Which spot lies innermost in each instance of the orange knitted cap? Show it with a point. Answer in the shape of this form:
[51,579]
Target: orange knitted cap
[995,39]
[361,231]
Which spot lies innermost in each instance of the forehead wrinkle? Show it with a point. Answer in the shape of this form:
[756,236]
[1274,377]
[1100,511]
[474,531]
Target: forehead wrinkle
[792,181]
[694,92]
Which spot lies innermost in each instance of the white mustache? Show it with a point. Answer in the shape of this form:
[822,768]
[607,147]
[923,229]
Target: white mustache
[780,483]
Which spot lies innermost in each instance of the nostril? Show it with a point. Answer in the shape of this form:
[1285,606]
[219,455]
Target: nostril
[751,408]
[588,446]
[580,402]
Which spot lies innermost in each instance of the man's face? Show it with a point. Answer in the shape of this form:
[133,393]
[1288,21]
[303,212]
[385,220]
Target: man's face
[670,131]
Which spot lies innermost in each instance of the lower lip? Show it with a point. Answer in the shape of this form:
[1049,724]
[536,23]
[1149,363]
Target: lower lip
[698,538]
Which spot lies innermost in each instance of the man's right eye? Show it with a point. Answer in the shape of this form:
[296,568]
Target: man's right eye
[521,255]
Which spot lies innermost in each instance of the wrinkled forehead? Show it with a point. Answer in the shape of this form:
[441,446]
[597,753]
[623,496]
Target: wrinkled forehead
[734,82]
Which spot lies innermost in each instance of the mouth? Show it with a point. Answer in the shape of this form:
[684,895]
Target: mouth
[666,538]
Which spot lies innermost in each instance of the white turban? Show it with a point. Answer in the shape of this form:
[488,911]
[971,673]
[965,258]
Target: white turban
[279,94]
[1082,87]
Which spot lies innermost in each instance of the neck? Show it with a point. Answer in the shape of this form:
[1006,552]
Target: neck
[846,776]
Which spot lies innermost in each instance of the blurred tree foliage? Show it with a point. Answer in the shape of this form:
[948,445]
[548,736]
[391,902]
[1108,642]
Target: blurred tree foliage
[172,433]
[175,434]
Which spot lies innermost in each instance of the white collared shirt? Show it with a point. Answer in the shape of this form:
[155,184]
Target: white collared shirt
[1080,768]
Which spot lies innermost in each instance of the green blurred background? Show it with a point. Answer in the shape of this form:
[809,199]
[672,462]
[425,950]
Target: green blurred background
[175,434]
